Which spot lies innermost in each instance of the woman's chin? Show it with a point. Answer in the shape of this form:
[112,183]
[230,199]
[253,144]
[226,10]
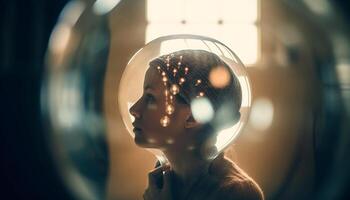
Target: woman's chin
[139,141]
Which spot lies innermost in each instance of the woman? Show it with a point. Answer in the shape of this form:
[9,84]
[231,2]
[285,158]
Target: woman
[164,120]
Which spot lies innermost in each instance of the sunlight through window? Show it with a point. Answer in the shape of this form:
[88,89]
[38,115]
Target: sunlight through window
[233,22]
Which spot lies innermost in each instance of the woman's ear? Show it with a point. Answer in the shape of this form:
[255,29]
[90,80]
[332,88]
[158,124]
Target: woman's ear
[191,122]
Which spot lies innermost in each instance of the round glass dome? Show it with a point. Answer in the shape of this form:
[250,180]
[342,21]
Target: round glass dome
[175,48]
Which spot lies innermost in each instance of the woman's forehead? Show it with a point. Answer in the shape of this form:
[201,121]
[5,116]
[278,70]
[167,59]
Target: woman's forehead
[152,79]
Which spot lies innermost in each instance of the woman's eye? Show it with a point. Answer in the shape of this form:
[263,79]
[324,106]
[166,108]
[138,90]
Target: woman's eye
[150,98]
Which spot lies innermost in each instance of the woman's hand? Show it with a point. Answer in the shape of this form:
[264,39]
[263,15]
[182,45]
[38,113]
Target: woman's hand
[159,184]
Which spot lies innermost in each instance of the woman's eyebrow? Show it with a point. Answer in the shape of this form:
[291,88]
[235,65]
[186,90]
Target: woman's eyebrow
[147,87]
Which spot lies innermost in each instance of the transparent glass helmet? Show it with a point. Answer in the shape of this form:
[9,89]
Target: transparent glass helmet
[187,92]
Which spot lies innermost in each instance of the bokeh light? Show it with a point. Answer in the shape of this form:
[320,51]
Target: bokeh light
[261,116]
[202,110]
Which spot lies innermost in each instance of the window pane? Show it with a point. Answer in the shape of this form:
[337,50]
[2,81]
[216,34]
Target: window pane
[155,30]
[239,11]
[237,30]
[165,10]
[202,11]
[243,40]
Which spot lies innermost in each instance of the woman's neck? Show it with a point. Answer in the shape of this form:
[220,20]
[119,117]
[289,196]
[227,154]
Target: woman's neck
[187,166]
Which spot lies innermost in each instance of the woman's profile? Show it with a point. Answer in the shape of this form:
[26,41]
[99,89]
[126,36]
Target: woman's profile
[164,120]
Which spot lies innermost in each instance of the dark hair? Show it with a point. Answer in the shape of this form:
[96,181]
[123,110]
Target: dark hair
[226,101]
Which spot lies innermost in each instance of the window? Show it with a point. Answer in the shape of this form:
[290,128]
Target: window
[233,22]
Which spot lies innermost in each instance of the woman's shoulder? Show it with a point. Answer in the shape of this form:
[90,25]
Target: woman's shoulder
[242,189]
[234,182]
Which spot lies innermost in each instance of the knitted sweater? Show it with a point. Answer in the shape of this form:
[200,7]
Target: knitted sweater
[225,180]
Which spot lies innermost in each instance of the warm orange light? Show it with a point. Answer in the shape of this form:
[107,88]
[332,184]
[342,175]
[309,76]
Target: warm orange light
[219,77]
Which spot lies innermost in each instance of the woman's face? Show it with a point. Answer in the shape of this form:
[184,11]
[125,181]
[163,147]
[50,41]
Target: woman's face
[148,111]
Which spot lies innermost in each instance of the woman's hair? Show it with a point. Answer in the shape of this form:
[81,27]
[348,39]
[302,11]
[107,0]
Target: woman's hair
[195,71]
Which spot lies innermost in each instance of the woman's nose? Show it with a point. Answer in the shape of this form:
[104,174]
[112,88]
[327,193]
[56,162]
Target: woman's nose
[133,111]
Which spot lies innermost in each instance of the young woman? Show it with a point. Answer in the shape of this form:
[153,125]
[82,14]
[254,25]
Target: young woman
[164,120]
